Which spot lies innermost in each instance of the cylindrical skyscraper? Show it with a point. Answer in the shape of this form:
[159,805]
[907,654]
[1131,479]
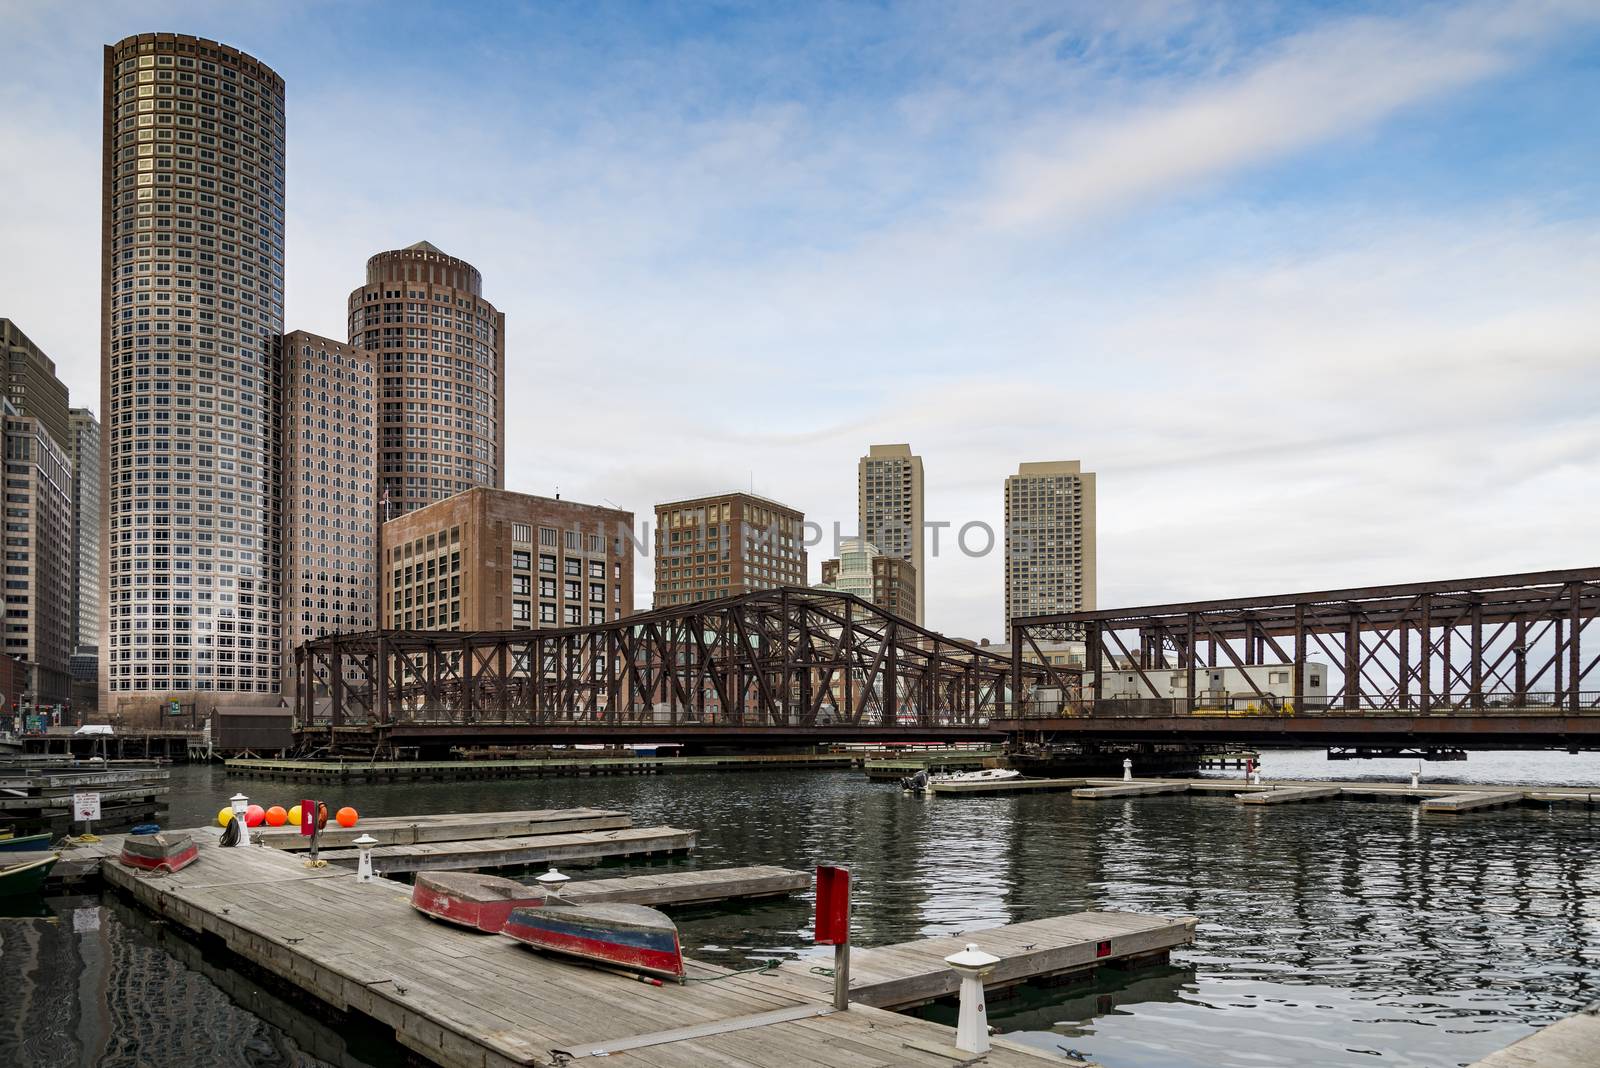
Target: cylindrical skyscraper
[192,212]
[441,355]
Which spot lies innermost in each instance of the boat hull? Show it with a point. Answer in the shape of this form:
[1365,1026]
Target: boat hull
[31,844]
[634,937]
[159,852]
[483,902]
[27,876]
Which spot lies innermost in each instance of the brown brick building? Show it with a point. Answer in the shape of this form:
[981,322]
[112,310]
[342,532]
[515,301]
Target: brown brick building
[490,559]
[724,545]
[441,354]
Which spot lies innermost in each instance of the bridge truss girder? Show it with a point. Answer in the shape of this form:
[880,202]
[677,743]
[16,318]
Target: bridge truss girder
[784,658]
[1503,641]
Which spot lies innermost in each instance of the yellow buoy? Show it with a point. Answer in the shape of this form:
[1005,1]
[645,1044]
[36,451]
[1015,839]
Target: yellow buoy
[224,815]
[294,816]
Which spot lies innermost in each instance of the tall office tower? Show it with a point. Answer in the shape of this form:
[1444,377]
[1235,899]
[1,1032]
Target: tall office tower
[889,493]
[725,545]
[191,308]
[441,351]
[84,450]
[31,382]
[1050,548]
[39,567]
[330,503]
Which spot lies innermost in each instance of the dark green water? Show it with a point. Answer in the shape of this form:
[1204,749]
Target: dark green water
[1342,933]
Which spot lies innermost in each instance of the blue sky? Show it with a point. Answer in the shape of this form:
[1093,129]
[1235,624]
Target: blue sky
[1312,287]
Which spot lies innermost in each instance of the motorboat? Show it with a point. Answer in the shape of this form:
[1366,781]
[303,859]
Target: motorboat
[634,937]
[982,775]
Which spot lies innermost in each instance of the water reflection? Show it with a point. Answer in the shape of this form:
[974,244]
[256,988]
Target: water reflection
[1337,933]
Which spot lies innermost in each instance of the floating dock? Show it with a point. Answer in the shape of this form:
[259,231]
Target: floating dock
[901,765]
[1287,795]
[578,763]
[462,998]
[451,827]
[1441,798]
[691,887]
[37,797]
[1129,789]
[1570,1043]
[490,853]
[1002,786]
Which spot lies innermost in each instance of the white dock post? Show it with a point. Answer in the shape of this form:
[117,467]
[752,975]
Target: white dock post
[1127,769]
[240,803]
[1416,777]
[364,865]
[972,1027]
[552,881]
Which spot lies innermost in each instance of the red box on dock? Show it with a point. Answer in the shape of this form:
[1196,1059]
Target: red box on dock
[833,905]
[308,818]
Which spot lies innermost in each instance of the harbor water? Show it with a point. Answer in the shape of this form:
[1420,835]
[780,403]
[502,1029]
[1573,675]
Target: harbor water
[1335,933]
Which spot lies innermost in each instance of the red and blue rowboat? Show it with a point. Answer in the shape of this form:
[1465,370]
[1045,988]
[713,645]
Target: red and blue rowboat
[635,937]
[472,900]
[167,851]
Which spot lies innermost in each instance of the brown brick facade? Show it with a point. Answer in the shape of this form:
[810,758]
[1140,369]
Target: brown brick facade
[491,559]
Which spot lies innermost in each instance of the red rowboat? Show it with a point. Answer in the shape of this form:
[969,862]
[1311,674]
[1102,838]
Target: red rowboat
[628,936]
[159,852]
[480,901]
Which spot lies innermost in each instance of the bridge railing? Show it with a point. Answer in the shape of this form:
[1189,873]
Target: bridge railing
[1538,703]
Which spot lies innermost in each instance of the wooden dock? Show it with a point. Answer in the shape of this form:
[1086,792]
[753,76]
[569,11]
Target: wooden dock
[683,888]
[1129,789]
[1285,795]
[462,998]
[1002,786]
[1570,1043]
[899,766]
[579,763]
[490,853]
[1470,800]
[914,973]
[452,827]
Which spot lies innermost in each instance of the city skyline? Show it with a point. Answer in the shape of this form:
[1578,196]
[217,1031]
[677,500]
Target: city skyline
[1325,314]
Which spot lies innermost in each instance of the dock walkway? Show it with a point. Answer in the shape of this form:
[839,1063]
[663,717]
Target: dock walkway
[490,853]
[1570,1043]
[452,827]
[461,998]
[580,763]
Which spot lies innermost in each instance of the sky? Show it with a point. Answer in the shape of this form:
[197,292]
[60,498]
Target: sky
[1313,288]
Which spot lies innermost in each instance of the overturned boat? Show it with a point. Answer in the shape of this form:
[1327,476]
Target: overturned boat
[471,900]
[635,937]
[165,851]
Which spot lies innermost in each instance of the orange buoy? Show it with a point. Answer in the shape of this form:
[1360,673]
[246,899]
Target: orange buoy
[276,816]
[346,816]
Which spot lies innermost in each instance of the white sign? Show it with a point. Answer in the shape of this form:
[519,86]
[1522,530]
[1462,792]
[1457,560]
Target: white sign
[85,806]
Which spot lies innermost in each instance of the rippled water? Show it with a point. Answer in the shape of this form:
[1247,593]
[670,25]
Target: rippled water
[1338,933]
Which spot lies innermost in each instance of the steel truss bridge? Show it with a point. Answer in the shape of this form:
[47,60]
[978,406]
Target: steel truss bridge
[1488,663]
[778,667]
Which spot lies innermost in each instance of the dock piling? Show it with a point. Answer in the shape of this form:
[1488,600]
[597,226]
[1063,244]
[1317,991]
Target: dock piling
[972,1023]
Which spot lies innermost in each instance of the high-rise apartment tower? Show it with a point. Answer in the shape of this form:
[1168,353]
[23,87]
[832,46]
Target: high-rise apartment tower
[192,215]
[1050,544]
[441,354]
[889,491]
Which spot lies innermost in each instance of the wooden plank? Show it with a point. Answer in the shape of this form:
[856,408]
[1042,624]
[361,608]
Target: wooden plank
[692,887]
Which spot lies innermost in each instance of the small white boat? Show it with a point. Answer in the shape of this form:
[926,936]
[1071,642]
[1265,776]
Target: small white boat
[986,775]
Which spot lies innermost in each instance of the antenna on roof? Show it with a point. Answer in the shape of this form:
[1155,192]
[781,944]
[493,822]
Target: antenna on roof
[558,491]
